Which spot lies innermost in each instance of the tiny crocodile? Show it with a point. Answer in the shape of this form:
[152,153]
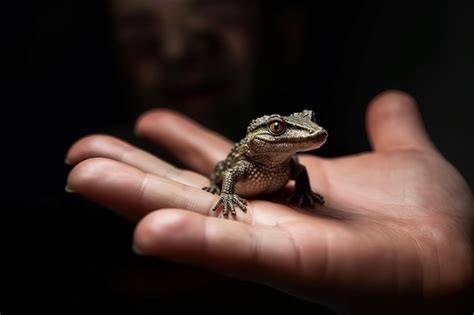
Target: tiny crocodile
[264,161]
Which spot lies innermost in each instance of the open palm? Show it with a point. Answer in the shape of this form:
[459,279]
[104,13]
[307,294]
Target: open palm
[397,220]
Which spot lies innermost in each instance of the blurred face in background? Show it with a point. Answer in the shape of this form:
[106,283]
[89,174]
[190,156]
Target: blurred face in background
[196,56]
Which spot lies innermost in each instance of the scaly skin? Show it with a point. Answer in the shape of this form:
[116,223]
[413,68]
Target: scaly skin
[264,161]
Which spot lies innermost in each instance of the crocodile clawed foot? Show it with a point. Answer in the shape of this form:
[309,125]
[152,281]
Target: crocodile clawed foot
[306,199]
[213,189]
[228,202]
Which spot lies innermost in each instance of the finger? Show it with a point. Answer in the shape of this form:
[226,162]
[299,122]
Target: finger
[265,254]
[131,192]
[394,122]
[190,143]
[113,148]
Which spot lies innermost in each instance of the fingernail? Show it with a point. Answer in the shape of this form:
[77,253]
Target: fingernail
[69,190]
[136,250]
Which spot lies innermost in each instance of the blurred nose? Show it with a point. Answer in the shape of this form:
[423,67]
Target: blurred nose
[187,42]
[174,45]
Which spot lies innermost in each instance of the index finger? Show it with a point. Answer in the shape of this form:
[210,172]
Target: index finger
[190,143]
[267,254]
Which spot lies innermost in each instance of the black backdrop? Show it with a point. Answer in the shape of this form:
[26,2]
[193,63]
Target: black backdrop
[62,253]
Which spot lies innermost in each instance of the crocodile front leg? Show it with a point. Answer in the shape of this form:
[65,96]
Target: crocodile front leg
[228,198]
[303,196]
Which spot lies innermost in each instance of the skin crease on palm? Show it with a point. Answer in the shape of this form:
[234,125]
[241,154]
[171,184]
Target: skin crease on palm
[397,220]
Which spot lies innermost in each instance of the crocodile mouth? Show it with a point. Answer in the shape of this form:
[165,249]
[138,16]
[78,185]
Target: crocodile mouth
[316,141]
[318,137]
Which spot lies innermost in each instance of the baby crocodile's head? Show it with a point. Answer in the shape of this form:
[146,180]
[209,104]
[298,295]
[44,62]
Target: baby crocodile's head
[282,136]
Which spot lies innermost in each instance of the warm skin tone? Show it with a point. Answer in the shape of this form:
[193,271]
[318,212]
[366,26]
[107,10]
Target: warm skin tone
[397,220]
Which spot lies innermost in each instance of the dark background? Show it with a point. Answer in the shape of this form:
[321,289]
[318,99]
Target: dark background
[62,253]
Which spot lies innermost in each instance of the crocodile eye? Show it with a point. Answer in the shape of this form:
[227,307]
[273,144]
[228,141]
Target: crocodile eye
[277,126]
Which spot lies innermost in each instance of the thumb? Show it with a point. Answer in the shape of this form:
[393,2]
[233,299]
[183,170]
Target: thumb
[394,122]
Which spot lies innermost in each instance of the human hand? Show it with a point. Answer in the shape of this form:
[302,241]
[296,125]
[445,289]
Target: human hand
[397,221]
